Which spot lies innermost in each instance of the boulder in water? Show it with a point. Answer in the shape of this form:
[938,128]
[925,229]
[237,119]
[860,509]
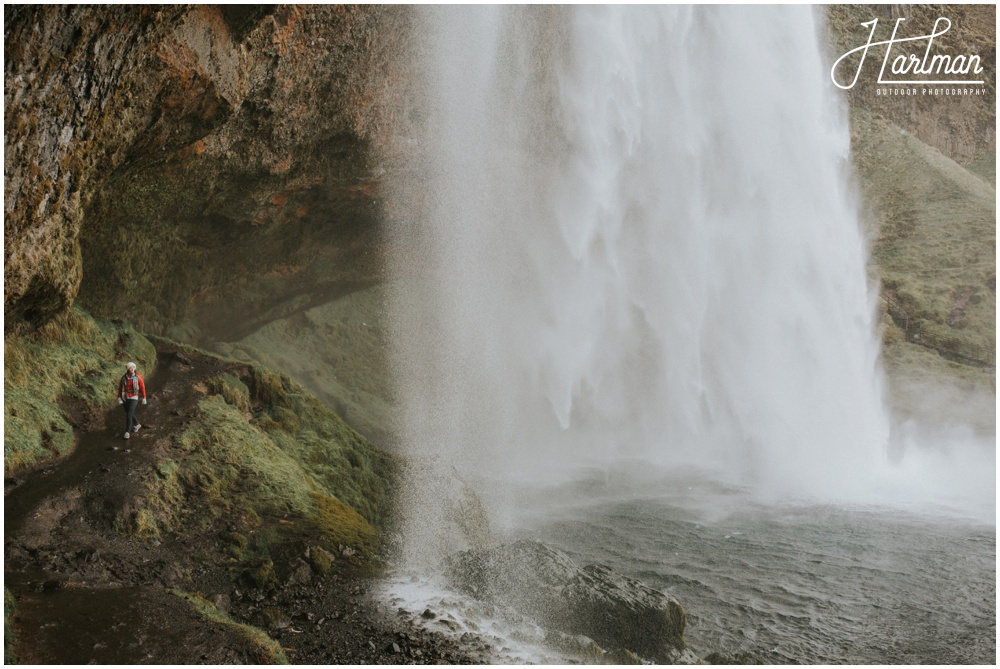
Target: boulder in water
[538,581]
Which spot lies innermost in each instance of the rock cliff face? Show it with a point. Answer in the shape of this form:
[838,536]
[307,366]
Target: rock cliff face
[178,167]
[64,121]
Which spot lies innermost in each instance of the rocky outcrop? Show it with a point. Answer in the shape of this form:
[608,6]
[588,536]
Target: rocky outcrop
[617,612]
[64,120]
[181,167]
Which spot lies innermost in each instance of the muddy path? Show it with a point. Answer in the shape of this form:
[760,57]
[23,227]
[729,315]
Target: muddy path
[87,591]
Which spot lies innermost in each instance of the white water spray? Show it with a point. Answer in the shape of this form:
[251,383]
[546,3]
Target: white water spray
[641,243]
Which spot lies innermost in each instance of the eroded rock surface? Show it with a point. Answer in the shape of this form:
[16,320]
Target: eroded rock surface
[617,612]
[182,166]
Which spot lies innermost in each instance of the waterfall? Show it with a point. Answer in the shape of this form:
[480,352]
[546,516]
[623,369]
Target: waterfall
[639,241]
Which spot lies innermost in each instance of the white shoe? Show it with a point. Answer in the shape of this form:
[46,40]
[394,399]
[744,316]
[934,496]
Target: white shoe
[127,435]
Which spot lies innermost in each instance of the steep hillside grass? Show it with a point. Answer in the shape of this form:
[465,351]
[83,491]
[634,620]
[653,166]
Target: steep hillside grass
[936,242]
[935,391]
[55,376]
[262,449]
[339,352]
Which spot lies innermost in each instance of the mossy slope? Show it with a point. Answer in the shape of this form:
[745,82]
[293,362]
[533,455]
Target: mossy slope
[934,250]
[69,367]
[936,245]
[338,351]
[261,452]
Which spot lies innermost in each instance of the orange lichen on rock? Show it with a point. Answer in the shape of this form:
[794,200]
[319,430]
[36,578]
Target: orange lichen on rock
[195,149]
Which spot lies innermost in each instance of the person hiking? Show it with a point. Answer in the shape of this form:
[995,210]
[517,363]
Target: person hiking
[132,388]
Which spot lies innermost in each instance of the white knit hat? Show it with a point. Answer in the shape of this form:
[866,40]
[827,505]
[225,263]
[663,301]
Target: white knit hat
[131,364]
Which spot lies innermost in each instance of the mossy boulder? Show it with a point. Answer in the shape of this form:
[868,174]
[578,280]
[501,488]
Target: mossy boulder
[261,576]
[319,559]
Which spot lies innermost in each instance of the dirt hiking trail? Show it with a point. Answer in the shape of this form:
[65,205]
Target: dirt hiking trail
[88,592]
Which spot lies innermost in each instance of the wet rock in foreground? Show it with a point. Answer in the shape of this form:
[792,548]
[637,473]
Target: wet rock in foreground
[615,611]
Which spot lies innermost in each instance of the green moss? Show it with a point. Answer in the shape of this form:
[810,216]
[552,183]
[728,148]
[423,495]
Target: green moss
[236,545]
[338,351]
[145,525]
[73,359]
[232,389]
[270,650]
[9,609]
[338,524]
[312,468]
[234,457]
[320,560]
[269,388]
[261,575]
[34,429]
[341,462]
[274,419]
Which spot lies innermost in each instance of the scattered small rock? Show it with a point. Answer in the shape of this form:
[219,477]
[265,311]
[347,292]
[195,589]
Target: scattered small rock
[301,573]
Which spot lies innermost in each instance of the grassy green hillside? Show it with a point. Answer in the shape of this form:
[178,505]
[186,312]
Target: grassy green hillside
[62,376]
[253,444]
[935,253]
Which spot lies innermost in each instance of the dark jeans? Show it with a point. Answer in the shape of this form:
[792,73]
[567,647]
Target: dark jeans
[130,419]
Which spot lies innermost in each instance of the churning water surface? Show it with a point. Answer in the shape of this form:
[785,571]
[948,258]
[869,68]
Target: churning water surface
[800,582]
[794,583]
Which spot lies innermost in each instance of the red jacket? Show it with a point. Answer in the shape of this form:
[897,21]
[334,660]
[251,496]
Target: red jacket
[132,387]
